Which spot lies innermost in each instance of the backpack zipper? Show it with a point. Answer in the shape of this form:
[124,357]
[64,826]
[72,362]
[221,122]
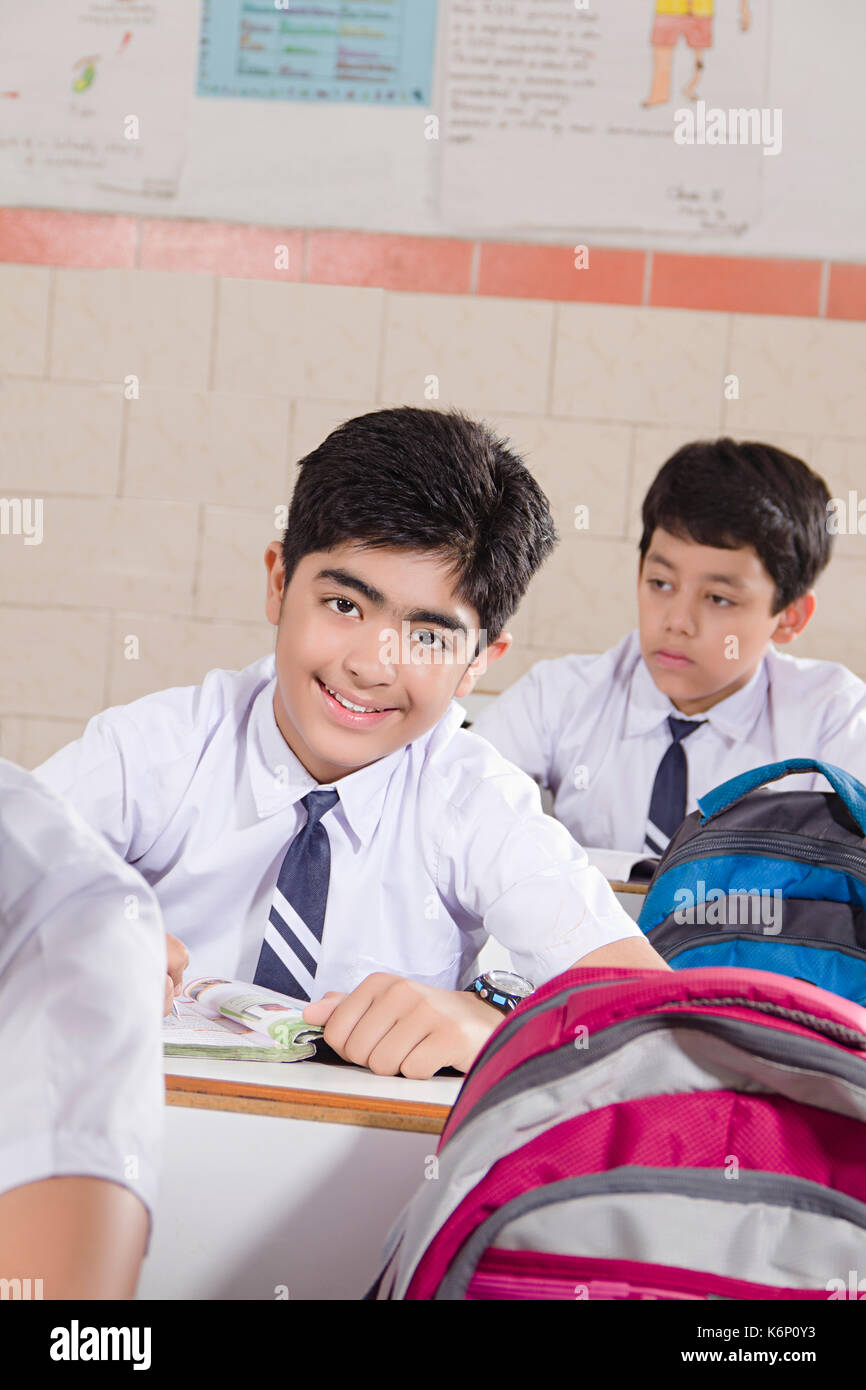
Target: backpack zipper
[814,851]
[723,934]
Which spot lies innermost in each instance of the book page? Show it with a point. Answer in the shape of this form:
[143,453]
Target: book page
[196,1033]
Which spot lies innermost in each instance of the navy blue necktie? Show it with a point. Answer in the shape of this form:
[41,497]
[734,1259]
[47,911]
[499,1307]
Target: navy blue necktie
[290,951]
[668,801]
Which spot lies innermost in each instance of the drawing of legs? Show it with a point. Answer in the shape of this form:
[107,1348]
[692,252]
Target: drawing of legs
[690,90]
[668,29]
[660,88]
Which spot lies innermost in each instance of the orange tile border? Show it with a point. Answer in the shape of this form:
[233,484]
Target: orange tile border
[232,249]
[736,284]
[432,264]
[600,275]
[84,240]
[846,294]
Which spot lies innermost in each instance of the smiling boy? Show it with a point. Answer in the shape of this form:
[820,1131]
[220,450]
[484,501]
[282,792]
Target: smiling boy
[320,822]
[734,537]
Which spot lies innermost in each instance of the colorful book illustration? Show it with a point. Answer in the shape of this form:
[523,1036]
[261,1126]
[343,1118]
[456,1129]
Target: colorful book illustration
[230,1019]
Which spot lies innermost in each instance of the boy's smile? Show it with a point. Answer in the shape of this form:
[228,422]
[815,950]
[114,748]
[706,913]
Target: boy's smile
[349,711]
[372,646]
[706,619]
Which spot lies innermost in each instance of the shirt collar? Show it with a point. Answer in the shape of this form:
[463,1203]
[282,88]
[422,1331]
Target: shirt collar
[734,717]
[279,779]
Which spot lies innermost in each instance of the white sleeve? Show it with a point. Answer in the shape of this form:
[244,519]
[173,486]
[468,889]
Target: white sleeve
[518,724]
[82,974]
[844,742]
[529,881]
[107,776]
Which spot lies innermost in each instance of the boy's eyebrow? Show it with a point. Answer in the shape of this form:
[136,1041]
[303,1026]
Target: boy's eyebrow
[732,579]
[375,596]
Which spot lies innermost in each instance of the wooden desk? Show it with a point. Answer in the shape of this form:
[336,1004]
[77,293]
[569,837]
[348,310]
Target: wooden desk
[312,1091]
[619,886]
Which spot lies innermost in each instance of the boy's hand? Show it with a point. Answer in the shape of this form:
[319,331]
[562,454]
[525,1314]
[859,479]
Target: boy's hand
[177,957]
[393,1025]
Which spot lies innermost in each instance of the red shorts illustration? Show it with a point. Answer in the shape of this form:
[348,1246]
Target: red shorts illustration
[696,29]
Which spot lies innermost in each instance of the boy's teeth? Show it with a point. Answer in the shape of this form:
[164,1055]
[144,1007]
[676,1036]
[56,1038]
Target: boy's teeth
[358,709]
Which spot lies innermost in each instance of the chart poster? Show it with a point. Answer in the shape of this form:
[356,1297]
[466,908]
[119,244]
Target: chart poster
[374,53]
[94,99]
[620,114]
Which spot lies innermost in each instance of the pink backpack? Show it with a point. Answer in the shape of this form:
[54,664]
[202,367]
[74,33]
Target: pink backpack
[650,1135]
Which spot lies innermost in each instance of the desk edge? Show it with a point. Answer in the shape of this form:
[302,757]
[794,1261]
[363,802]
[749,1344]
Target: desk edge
[331,1107]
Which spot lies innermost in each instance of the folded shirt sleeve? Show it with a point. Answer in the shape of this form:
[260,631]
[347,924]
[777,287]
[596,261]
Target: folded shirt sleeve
[526,878]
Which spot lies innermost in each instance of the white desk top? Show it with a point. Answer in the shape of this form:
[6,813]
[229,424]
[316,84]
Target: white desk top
[317,1076]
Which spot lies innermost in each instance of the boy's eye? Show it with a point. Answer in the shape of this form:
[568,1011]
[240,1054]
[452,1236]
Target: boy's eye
[343,605]
[428,638]
[658,584]
[719,600]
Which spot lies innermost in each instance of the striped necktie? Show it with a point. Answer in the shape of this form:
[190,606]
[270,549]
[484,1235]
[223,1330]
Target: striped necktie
[668,801]
[292,945]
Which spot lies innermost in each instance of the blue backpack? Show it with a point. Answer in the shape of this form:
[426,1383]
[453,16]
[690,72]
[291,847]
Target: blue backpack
[768,882]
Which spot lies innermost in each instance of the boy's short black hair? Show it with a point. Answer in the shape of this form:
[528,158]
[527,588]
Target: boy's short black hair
[429,480]
[724,494]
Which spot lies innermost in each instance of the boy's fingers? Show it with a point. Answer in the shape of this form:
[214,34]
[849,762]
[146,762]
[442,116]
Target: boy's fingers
[177,956]
[351,1008]
[169,995]
[320,1011]
[394,1047]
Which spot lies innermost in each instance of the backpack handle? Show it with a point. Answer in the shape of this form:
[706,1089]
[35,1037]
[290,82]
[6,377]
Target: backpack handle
[852,792]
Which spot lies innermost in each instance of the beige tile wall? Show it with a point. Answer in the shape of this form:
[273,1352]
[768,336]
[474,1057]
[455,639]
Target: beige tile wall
[157,507]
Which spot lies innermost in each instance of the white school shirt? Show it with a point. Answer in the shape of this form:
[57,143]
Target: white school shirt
[82,983]
[432,847]
[594,729]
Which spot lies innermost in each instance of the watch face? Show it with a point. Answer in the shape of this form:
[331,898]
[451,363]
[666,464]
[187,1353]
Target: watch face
[507,983]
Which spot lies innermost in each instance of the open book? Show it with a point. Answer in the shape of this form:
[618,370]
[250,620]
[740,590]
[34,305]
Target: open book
[227,1018]
[619,865]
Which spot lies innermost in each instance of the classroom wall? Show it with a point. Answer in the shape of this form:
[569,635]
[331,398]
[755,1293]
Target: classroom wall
[157,509]
[341,164]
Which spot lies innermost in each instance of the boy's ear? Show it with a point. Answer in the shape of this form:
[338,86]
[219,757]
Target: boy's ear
[492,652]
[794,618]
[276,580]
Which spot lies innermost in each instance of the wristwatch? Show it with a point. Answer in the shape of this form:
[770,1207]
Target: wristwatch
[501,989]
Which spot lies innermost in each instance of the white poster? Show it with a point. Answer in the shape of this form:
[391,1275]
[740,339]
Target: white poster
[619,114]
[94,99]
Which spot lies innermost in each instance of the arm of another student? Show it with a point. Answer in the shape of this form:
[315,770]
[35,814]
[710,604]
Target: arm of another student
[80,986]
[86,1237]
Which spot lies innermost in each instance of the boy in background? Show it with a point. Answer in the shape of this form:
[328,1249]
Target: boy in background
[734,537]
[319,822]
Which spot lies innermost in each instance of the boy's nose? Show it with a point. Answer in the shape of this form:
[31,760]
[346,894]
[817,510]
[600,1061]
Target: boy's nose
[370,660]
[680,616]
